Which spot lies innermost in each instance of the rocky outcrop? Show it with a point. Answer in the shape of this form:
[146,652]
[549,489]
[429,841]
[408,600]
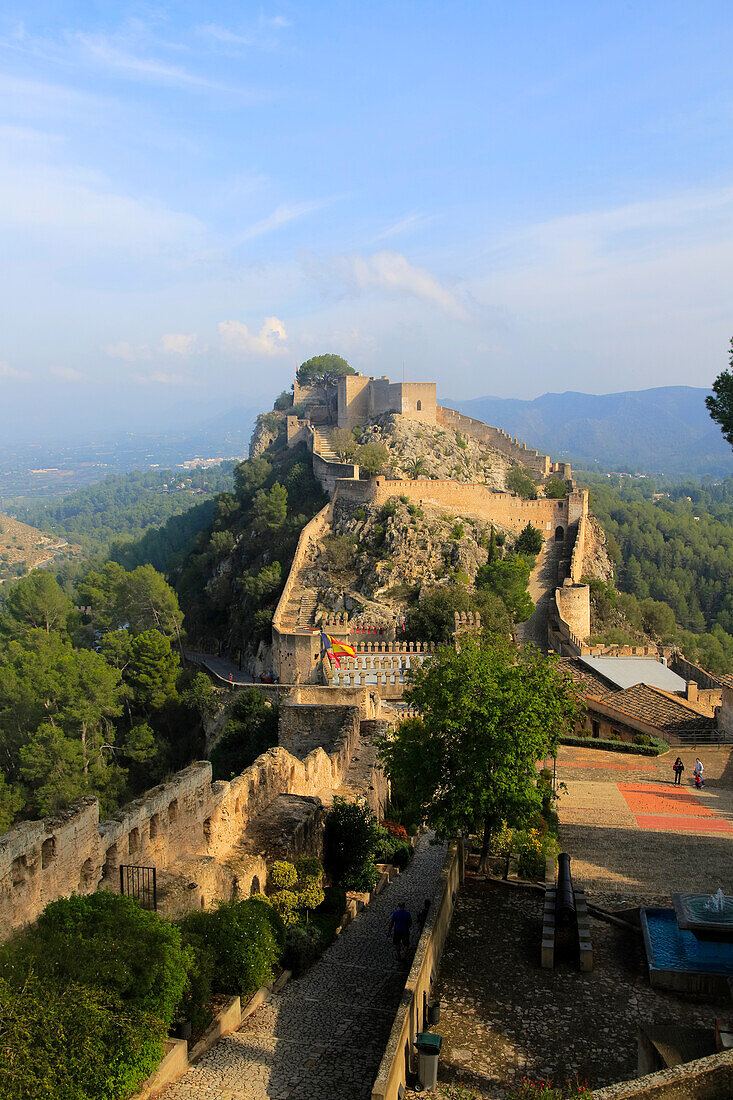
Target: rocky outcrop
[597,563]
[441,452]
[268,428]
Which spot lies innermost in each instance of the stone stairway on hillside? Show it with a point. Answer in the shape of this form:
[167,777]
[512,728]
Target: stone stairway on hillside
[300,610]
[322,445]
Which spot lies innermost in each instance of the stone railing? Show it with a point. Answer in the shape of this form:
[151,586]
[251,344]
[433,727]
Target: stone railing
[399,1056]
[388,672]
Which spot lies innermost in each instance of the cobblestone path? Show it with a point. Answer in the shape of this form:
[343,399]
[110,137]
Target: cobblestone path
[323,1037]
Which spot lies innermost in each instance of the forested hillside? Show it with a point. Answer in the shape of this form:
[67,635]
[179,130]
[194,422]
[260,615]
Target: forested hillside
[124,506]
[676,550]
[93,704]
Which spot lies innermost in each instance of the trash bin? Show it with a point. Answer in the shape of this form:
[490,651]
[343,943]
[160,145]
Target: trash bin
[434,1013]
[428,1049]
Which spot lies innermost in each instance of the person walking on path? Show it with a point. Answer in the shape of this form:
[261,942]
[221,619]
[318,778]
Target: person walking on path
[678,767]
[698,772]
[399,929]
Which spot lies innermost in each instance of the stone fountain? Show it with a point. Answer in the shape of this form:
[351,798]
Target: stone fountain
[690,948]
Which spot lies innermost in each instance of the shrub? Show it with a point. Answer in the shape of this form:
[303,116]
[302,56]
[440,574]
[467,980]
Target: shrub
[86,999]
[285,904]
[105,941]
[73,1042]
[392,848]
[302,947]
[283,874]
[532,849]
[245,940]
[458,531]
[556,488]
[195,1005]
[657,747]
[350,842]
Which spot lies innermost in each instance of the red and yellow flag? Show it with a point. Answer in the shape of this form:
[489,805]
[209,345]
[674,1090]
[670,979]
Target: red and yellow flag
[335,649]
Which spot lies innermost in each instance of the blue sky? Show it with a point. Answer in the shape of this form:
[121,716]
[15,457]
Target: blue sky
[507,197]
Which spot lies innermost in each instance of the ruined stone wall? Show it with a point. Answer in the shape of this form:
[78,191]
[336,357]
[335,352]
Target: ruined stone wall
[188,822]
[296,654]
[306,726]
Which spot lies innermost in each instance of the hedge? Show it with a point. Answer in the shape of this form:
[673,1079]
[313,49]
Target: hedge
[657,747]
[86,999]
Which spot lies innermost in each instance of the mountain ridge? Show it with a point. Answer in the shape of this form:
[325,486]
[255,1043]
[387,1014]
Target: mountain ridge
[664,430]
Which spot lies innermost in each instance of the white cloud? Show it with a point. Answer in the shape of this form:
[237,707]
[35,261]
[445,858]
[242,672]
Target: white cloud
[6,371]
[107,52]
[123,349]
[178,343]
[393,272]
[238,340]
[66,374]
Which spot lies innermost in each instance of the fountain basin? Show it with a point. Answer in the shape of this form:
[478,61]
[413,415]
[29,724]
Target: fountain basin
[709,916]
[680,961]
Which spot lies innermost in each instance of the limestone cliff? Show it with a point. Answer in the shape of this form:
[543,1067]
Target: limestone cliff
[376,556]
[597,563]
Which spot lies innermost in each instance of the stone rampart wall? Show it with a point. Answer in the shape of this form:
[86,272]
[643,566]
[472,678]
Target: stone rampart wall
[472,499]
[502,442]
[304,727]
[328,474]
[188,817]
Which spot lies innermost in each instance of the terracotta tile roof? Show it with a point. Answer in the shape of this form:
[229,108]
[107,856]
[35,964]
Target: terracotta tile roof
[661,709]
[658,709]
[726,681]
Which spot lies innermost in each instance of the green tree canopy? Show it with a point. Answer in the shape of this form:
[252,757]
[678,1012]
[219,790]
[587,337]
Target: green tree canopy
[490,713]
[56,731]
[720,402]
[36,602]
[372,458]
[323,370]
[508,578]
[520,481]
[529,541]
[139,600]
[556,488]
[343,443]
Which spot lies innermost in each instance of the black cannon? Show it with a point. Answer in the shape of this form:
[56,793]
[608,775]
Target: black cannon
[565,914]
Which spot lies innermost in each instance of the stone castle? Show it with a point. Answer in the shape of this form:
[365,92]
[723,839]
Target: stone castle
[210,841]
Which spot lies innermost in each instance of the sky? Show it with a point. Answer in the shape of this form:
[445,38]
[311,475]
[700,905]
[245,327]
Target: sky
[507,198]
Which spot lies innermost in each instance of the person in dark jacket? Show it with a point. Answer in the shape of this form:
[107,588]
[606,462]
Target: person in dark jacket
[678,767]
[399,929]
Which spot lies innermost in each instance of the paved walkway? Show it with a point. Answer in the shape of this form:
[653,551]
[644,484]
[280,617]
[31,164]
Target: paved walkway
[221,667]
[634,836]
[542,584]
[323,1037]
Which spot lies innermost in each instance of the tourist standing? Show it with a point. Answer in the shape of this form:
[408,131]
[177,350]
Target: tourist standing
[698,772]
[678,767]
[399,929]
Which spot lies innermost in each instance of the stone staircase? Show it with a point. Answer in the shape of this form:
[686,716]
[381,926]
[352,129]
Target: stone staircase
[322,445]
[300,610]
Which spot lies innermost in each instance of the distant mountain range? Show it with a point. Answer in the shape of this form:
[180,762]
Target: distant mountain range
[662,431]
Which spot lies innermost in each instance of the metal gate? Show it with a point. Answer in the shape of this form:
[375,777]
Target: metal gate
[139,883]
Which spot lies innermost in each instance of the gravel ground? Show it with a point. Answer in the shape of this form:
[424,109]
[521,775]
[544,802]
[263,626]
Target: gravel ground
[504,1017]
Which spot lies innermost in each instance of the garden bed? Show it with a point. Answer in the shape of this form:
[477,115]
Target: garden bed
[657,747]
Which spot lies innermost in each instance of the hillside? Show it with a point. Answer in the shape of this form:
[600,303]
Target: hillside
[23,548]
[664,431]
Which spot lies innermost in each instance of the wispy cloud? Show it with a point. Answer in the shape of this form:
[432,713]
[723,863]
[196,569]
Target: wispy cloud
[236,339]
[262,35]
[106,52]
[393,273]
[405,225]
[282,215]
[12,373]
